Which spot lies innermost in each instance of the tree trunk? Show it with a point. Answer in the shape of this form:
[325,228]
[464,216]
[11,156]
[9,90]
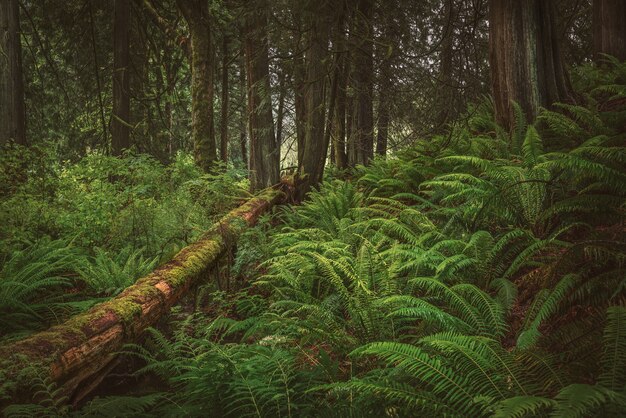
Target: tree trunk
[196,13]
[382,138]
[446,93]
[225,103]
[264,151]
[386,52]
[526,66]
[243,88]
[280,113]
[609,28]
[77,354]
[339,123]
[312,158]
[339,114]
[299,80]
[120,122]
[12,110]
[364,82]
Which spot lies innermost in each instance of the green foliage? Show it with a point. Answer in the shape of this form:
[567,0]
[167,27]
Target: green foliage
[122,215]
[476,274]
[108,275]
[30,281]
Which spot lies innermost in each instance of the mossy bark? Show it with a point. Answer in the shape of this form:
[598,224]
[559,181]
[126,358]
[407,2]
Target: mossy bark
[196,13]
[75,354]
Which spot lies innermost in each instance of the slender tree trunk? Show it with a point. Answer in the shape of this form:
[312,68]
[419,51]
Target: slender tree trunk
[280,114]
[382,138]
[526,66]
[12,110]
[339,114]
[364,82]
[96,65]
[351,131]
[386,52]
[196,13]
[299,81]
[445,95]
[609,28]
[243,88]
[225,103]
[264,151]
[339,124]
[120,122]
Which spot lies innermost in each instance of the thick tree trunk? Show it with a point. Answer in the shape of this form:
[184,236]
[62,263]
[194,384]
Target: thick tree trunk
[264,151]
[312,158]
[120,122]
[225,103]
[364,82]
[609,28]
[526,66]
[12,111]
[77,354]
[196,13]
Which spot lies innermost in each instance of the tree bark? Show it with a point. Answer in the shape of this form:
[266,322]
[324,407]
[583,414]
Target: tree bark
[609,28]
[339,113]
[384,118]
[446,94]
[386,52]
[196,14]
[12,109]
[120,122]
[225,103]
[280,113]
[77,354]
[339,123]
[243,88]
[364,82]
[299,82]
[264,150]
[312,158]
[526,65]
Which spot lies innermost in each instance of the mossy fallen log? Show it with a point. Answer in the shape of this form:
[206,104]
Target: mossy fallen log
[77,354]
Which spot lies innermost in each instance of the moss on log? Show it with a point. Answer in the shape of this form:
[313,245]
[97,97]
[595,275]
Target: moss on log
[76,353]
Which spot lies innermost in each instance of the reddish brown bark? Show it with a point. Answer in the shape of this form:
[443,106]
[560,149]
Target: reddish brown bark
[609,28]
[525,61]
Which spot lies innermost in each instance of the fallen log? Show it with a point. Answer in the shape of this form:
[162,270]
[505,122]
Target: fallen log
[77,354]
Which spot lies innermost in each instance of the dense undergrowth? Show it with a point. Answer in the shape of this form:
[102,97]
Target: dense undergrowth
[475,274]
[72,234]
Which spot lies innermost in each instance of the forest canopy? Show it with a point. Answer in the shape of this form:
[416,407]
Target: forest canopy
[313,208]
